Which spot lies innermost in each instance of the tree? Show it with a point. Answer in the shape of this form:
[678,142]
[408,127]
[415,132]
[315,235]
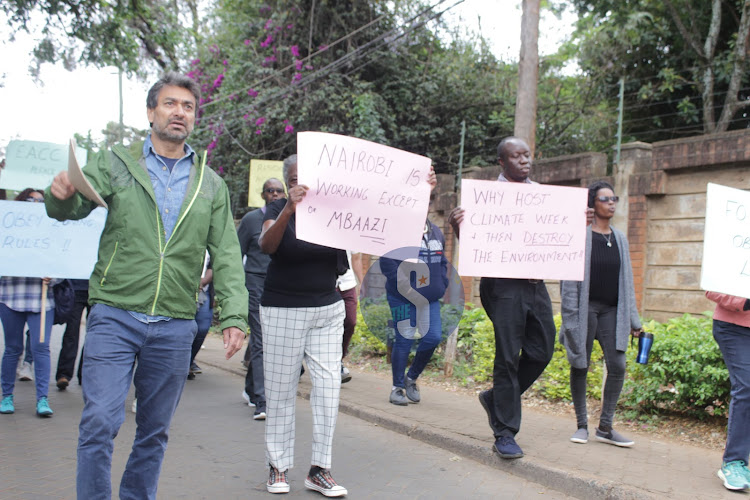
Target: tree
[684,62]
[134,35]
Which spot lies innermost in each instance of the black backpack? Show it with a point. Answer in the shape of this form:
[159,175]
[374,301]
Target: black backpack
[65,299]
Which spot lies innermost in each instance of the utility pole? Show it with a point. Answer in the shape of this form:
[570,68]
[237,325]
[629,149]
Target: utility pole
[528,75]
[122,125]
[452,341]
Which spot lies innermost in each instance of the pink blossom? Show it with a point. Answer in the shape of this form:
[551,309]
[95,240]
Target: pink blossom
[269,60]
[225,62]
[195,61]
[268,41]
[260,121]
[246,117]
[295,50]
[289,26]
[286,121]
[288,129]
[218,81]
[269,23]
[252,93]
[247,42]
[298,64]
[211,145]
[259,131]
[308,67]
[297,77]
[323,47]
[221,170]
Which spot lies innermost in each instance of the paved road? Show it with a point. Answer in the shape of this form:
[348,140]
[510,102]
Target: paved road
[216,452]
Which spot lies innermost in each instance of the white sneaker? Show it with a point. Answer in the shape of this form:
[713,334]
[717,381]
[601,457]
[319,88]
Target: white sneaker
[26,373]
[246,397]
[134,406]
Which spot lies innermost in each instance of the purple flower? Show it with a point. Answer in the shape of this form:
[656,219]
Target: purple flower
[269,60]
[247,42]
[221,170]
[269,23]
[211,145]
[308,67]
[195,61]
[268,41]
[260,121]
[259,131]
[295,50]
[225,62]
[252,93]
[298,64]
[218,81]
[297,77]
[288,129]
[289,26]
[245,117]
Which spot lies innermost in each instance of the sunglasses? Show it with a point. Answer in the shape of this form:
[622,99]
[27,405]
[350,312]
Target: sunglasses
[605,199]
[35,200]
[273,191]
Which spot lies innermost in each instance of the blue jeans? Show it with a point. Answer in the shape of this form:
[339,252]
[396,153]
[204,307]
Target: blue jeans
[734,342]
[114,341]
[13,327]
[427,345]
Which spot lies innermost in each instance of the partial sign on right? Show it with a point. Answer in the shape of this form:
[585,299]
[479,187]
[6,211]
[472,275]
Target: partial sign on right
[726,241]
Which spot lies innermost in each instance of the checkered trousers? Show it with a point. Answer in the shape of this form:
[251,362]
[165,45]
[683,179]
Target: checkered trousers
[289,335]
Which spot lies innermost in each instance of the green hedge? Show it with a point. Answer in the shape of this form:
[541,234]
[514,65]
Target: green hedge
[685,373]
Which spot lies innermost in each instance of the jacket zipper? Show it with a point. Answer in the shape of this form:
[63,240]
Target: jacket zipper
[111,259]
[163,250]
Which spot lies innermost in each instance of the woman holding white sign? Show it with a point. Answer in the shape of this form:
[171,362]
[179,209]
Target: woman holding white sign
[600,307]
[21,305]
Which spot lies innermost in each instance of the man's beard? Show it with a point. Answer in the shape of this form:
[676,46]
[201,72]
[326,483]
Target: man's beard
[166,135]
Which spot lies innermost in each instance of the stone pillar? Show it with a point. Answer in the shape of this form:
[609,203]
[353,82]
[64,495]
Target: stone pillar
[635,158]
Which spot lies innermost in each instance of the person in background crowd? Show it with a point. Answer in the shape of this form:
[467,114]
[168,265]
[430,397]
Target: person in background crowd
[731,330]
[166,208]
[69,349]
[408,321]
[346,285]
[21,305]
[256,265]
[203,317]
[601,307]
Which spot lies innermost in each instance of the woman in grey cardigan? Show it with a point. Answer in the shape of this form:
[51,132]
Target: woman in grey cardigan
[600,307]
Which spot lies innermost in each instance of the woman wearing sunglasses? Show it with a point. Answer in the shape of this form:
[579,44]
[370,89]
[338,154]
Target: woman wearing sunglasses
[600,307]
[20,305]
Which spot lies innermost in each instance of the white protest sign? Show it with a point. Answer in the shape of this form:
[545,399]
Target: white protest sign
[363,197]
[726,241]
[519,230]
[34,164]
[34,245]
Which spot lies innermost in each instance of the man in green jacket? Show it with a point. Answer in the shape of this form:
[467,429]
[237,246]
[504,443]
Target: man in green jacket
[166,208]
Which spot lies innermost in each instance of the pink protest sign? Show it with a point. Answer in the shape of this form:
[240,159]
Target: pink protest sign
[518,230]
[363,196]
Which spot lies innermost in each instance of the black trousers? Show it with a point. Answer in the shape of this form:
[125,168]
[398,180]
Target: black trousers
[521,315]
[254,381]
[69,349]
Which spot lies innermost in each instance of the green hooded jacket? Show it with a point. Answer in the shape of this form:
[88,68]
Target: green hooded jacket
[137,269]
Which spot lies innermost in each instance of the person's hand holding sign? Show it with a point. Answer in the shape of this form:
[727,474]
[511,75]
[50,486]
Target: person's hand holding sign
[62,188]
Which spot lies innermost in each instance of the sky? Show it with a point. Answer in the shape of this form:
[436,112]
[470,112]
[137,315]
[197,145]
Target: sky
[86,99]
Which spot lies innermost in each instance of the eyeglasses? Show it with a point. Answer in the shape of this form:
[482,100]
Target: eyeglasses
[35,200]
[605,199]
[273,191]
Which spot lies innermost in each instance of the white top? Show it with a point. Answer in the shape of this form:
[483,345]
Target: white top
[348,280]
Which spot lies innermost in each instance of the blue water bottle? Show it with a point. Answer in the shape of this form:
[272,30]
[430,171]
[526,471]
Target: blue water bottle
[645,341]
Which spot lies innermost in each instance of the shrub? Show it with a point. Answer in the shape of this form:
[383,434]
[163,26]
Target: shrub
[685,372]
[364,341]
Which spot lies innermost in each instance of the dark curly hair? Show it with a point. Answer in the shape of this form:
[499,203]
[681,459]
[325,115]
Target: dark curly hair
[23,195]
[594,188]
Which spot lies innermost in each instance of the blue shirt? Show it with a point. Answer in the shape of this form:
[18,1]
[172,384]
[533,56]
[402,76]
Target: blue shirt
[170,186]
